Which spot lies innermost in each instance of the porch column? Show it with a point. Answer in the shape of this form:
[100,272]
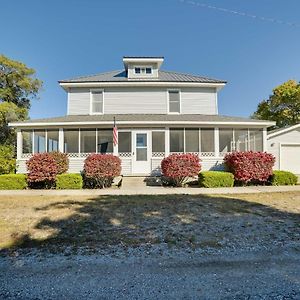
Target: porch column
[265,142]
[61,140]
[19,144]
[217,139]
[167,141]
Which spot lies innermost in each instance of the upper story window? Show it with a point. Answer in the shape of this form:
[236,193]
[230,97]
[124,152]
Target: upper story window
[174,101]
[97,102]
[142,70]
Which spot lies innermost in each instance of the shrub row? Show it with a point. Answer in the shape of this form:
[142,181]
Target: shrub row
[283,178]
[213,179]
[13,182]
[19,181]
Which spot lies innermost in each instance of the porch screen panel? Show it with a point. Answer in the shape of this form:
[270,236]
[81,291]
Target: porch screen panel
[158,141]
[39,141]
[226,140]
[52,140]
[71,141]
[241,139]
[256,140]
[105,141]
[207,140]
[26,141]
[177,140]
[88,140]
[124,142]
[191,140]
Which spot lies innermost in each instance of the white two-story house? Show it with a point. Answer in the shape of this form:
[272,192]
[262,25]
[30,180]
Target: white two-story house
[157,113]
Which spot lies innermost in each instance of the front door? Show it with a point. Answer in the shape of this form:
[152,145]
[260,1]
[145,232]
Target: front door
[141,152]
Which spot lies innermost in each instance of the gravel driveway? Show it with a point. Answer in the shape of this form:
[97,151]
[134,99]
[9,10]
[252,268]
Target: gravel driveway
[159,274]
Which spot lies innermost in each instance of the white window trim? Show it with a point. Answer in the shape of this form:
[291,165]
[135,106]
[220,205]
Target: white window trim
[168,101]
[91,101]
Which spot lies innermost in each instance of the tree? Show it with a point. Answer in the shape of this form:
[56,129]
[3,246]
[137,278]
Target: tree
[10,112]
[283,106]
[17,83]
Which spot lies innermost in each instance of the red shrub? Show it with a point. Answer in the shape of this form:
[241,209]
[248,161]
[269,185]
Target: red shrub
[179,167]
[42,170]
[250,167]
[100,169]
[62,161]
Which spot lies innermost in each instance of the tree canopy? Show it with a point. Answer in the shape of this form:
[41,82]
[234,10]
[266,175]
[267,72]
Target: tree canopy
[10,112]
[283,106]
[17,82]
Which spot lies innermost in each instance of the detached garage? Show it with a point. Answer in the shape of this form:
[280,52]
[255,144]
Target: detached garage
[284,144]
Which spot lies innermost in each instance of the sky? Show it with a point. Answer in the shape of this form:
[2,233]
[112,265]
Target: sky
[69,38]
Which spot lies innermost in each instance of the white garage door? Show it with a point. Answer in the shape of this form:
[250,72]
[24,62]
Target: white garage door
[290,158]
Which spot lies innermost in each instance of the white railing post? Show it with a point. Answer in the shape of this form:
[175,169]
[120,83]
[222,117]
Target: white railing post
[19,144]
[167,141]
[217,153]
[265,145]
[61,140]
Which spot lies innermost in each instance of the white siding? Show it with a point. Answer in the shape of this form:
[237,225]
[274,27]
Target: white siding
[143,101]
[79,101]
[198,101]
[137,101]
[292,136]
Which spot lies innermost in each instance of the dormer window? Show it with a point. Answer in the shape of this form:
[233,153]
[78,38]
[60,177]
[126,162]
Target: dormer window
[142,70]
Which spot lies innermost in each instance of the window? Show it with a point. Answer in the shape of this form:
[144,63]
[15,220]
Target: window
[158,141]
[174,102]
[52,140]
[256,140]
[105,141]
[192,140]
[226,140]
[137,70]
[39,141]
[71,143]
[26,141]
[207,140]
[177,140]
[96,102]
[88,140]
[148,70]
[124,142]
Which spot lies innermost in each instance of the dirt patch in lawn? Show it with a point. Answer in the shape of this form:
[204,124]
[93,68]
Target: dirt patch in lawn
[56,223]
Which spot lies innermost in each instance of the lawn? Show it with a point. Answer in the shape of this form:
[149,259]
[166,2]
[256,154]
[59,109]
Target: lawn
[56,223]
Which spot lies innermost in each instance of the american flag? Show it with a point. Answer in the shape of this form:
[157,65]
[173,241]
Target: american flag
[115,133]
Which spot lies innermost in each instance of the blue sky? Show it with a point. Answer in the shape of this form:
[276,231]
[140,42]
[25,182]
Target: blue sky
[64,39]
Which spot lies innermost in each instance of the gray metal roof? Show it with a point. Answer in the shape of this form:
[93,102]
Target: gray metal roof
[141,118]
[163,76]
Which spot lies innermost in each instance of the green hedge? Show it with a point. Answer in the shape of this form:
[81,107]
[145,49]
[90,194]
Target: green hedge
[212,179]
[13,182]
[68,181]
[283,178]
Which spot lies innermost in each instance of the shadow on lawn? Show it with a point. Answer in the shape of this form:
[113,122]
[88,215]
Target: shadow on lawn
[181,220]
